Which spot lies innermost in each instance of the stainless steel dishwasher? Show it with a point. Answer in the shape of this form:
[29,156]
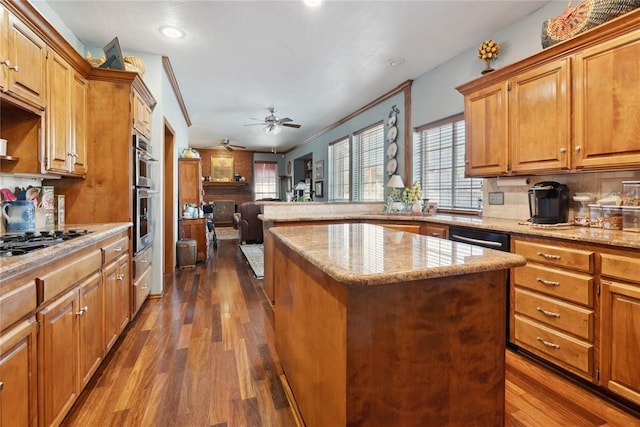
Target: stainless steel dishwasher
[487,239]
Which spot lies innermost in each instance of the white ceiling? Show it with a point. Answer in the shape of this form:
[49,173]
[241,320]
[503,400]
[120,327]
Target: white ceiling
[314,65]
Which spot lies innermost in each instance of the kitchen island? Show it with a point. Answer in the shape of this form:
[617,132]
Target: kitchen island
[375,326]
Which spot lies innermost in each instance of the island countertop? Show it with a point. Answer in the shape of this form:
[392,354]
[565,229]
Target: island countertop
[366,254]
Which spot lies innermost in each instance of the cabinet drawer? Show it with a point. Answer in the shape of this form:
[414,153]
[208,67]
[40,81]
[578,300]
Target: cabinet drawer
[565,349]
[115,249]
[142,288]
[561,315]
[573,287]
[142,261]
[555,255]
[408,228]
[17,303]
[440,231]
[621,267]
[64,277]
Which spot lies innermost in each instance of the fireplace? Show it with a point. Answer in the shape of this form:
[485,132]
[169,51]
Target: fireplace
[223,213]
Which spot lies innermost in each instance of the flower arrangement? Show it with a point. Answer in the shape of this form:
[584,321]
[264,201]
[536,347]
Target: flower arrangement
[414,192]
[488,51]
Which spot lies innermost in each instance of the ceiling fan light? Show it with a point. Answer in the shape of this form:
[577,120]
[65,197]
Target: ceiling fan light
[272,130]
[312,3]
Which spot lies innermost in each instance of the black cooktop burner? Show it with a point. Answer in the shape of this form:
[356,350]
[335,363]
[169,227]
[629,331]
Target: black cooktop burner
[15,244]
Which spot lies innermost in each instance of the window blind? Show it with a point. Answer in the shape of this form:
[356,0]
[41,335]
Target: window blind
[439,158]
[339,170]
[368,164]
[266,180]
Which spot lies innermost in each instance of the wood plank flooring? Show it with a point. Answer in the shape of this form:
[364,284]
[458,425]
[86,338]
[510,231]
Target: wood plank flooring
[203,355]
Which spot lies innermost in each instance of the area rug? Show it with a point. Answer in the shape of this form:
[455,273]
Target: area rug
[227,233]
[255,257]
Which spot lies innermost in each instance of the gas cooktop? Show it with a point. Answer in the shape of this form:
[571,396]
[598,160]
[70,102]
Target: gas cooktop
[15,244]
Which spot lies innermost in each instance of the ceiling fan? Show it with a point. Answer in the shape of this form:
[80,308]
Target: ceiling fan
[226,143]
[273,124]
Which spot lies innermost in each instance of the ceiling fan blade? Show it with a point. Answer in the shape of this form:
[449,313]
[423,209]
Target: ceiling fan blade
[256,124]
[228,148]
[238,146]
[291,125]
[286,119]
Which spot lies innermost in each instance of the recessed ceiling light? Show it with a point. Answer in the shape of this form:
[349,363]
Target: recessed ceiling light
[172,32]
[312,3]
[395,62]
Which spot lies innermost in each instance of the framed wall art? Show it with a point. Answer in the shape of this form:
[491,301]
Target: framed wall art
[319,169]
[222,168]
[318,191]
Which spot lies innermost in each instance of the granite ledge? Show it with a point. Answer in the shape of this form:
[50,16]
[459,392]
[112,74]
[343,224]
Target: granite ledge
[380,256]
[18,264]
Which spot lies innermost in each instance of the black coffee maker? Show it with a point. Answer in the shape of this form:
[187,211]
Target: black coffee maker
[549,203]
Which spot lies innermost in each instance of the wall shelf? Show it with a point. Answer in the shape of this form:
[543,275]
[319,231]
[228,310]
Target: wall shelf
[225,183]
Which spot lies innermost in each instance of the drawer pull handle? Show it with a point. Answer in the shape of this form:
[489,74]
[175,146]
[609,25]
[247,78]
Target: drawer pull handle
[82,311]
[548,313]
[118,249]
[120,277]
[548,343]
[1,385]
[145,286]
[547,282]
[549,256]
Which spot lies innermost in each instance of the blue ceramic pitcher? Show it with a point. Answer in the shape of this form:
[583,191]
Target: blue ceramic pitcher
[20,215]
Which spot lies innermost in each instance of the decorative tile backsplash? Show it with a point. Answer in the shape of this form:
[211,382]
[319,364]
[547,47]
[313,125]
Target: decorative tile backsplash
[516,202]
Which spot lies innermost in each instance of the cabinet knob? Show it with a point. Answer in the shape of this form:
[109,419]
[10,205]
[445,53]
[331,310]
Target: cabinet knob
[82,311]
[577,148]
[120,277]
[563,150]
[1,385]
[145,286]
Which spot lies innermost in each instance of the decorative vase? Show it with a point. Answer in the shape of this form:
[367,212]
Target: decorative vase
[488,68]
[397,207]
[417,206]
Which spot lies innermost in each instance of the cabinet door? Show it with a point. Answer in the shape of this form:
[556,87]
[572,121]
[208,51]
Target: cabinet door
[433,230]
[141,290]
[17,375]
[78,124]
[189,182]
[58,358]
[540,118]
[4,43]
[117,305]
[620,334]
[606,79]
[58,117]
[92,346]
[27,53]
[486,126]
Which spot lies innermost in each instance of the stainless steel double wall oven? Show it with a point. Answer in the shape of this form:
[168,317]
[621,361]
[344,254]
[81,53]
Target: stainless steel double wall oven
[143,193]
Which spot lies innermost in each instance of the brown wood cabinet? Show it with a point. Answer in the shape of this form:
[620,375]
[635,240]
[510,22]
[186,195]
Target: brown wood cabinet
[117,312]
[196,229]
[142,113]
[189,182]
[65,143]
[141,279]
[620,325]
[23,73]
[553,301]
[605,89]
[435,230]
[565,108]
[18,375]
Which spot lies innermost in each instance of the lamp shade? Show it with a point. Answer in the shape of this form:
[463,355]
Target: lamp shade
[395,182]
[301,186]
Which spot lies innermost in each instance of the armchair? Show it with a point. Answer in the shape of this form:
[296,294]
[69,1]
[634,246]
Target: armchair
[249,226]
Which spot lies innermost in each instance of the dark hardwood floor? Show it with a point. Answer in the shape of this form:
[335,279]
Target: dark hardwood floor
[203,355]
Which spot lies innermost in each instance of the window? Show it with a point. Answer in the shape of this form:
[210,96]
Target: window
[339,170]
[439,155]
[266,180]
[368,163]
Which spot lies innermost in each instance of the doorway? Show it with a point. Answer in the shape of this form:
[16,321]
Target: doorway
[168,255]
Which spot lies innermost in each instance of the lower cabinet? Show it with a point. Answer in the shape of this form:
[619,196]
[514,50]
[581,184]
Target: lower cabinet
[578,306]
[116,278]
[18,376]
[196,229]
[69,347]
[141,279]
[621,326]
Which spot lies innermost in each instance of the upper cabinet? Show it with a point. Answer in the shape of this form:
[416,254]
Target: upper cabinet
[65,142]
[22,60]
[607,103]
[572,106]
[141,115]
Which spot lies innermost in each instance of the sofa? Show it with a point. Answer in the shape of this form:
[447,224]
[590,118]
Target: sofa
[248,224]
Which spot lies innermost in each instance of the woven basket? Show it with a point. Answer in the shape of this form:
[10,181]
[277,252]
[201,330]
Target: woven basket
[95,62]
[586,15]
[133,63]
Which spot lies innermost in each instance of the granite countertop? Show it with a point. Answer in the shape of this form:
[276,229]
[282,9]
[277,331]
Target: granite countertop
[617,238]
[17,264]
[366,254]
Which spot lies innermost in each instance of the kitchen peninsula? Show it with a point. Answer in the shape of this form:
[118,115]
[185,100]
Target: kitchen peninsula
[381,327]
